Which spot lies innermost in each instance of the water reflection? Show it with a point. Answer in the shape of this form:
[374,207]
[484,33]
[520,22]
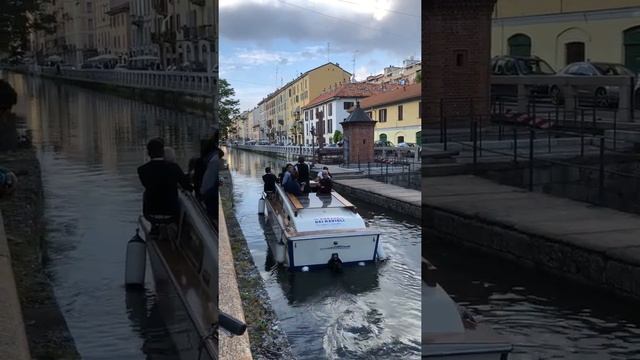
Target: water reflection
[90,145]
[370,312]
[545,317]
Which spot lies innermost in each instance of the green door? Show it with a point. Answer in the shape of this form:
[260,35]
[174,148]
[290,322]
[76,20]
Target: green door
[632,49]
[419,138]
[383,137]
[520,45]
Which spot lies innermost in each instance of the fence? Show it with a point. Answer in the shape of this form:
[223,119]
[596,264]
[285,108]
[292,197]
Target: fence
[200,84]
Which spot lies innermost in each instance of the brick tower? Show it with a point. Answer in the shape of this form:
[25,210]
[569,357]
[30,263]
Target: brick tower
[456,55]
[358,137]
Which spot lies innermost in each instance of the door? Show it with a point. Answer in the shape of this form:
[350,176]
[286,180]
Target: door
[519,45]
[632,49]
[574,52]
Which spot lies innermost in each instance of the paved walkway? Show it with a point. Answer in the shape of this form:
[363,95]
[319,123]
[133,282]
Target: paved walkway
[236,347]
[397,198]
[13,338]
[597,245]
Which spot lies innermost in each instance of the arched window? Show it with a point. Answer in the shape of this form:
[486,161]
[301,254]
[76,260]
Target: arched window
[400,139]
[383,137]
[574,52]
[632,49]
[520,45]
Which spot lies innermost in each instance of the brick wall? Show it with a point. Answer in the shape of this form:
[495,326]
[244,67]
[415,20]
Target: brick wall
[456,52]
[359,139]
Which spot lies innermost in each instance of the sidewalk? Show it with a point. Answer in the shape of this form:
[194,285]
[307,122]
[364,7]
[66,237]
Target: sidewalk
[13,338]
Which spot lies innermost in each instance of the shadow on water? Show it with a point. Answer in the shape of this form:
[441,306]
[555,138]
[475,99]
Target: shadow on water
[370,312]
[89,146]
[544,316]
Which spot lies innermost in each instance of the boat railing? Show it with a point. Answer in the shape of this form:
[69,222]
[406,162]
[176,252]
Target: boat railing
[286,201]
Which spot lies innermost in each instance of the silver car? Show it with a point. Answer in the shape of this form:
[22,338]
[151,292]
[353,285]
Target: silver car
[603,95]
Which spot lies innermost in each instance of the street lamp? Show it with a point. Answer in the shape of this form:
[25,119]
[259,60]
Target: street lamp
[313,141]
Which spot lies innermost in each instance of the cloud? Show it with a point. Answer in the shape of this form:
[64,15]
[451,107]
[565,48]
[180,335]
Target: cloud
[349,25]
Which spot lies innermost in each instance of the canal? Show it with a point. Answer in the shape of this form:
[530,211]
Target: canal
[89,146]
[543,316]
[370,312]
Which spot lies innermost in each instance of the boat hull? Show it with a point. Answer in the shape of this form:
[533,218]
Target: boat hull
[314,252]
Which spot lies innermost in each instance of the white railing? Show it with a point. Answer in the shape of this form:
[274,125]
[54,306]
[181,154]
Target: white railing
[203,84]
[385,152]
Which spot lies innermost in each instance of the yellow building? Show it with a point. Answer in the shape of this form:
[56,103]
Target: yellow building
[397,114]
[565,31]
[283,107]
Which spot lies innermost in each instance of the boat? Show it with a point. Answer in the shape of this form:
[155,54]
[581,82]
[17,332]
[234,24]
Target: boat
[318,231]
[184,263]
[449,332]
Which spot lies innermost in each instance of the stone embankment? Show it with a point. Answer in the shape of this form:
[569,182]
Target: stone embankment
[596,246]
[22,212]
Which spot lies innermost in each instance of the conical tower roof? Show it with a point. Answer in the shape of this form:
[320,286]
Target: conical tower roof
[357,116]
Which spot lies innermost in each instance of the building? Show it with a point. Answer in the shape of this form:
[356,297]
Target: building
[397,113]
[565,31]
[409,73]
[283,107]
[335,105]
[142,16]
[78,24]
[103,38]
[120,29]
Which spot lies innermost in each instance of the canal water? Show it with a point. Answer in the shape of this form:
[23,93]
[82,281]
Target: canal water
[370,312]
[89,145]
[543,316]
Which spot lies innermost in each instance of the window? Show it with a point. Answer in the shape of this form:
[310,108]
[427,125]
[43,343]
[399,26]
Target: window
[461,57]
[330,109]
[329,126]
[400,139]
[574,52]
[89,7]
[382,115]
[632,48]
[519,45]
[178,21]
[348,105]
[400,112]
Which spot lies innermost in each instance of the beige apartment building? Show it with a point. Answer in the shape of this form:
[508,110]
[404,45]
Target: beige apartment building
[566,31]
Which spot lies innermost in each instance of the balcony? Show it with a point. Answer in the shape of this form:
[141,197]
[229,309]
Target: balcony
[198,2]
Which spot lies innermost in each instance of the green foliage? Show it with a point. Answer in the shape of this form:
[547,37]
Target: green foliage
[228,108]
[337,136]
[18,18]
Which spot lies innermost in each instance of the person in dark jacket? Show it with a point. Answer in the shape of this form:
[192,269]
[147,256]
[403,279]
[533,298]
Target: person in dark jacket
[160,179]
[269,180]
[302,169]
[198,166]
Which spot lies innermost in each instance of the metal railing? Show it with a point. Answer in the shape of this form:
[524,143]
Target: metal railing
[202,84]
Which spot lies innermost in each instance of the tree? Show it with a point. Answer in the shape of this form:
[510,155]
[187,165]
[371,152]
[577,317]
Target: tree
[337,136]
[228,108]
[18,19]
[419,77]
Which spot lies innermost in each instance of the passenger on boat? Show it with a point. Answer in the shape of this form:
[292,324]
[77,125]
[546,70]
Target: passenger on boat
[160,179]
[289,182]
[198,166]
[325,184]
[269,181]
[302,169]
[211,180]
[170,154]
[321,174]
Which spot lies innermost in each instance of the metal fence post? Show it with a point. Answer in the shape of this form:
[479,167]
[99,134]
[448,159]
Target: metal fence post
[581,132]
[601,178]
[515,144]
[531,135]
[474,135]
[615,118]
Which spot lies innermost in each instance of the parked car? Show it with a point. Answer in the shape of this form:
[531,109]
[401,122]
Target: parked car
[603,95]
[520,66]
[406,145]
[383,143]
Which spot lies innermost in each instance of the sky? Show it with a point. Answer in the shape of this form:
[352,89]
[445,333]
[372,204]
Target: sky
[264,44]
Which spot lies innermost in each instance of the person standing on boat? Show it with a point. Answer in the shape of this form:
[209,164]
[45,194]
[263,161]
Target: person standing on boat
[211,180]
[160,179]
[302,169]
[289,182]
[269,181]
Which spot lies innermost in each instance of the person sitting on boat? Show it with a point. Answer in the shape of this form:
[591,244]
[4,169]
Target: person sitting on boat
[289,182]
[302,169]
[160,179]
[324,172]
[269,181]
[325,184]
[198,166]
